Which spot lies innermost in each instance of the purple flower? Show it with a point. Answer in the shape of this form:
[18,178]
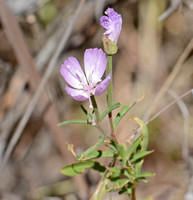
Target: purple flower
[113,23]
[83,86]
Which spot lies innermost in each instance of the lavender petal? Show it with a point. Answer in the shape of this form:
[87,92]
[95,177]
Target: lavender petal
[112,23]
[102,86]
[78,95]
[73,73]
[95,62]
[104,21]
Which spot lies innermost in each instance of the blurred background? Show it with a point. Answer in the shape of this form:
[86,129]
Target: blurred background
[155,59]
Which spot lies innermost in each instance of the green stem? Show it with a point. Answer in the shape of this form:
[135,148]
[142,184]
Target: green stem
[133,195]
[100,129]
[95,108]
[96,111]
[110,87]
[110,92]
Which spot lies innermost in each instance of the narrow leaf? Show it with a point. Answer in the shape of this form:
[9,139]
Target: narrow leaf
[122,113]
[119,183]
[76,121]
[107,154]
[114,169]
[77,168]
[108,110]
[91,149]
[140,155]
[144,142]
[133,147]
[122,150]
[144,131]
[145,174]
[138,166]
[113,146]
[98,154]
[92,155]
[120,171]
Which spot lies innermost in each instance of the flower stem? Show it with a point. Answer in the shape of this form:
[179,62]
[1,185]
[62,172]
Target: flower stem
[110,92]
[133,195]
[95,109]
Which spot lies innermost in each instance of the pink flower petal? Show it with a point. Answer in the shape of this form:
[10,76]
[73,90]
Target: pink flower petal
[78,95]
[102,86]
[73,73]
[104,21]
[95,62]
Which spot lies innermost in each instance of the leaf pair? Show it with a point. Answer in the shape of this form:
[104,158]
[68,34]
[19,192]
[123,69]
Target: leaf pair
[89,116]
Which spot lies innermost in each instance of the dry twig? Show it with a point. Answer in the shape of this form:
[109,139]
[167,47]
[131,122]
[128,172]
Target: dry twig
[170,79]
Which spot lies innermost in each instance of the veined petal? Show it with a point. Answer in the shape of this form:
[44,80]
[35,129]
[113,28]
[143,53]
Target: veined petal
[102,86]
[73,73]
[78,95]
[95,62]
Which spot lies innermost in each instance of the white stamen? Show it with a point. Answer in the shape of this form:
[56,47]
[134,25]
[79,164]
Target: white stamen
[70,70]
[79,74]
[81,78]
[90,75]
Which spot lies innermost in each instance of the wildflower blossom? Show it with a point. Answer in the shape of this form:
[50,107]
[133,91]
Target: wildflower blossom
[112,23]
[83,85]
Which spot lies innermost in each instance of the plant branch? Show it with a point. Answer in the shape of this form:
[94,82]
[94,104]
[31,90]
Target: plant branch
[110,93]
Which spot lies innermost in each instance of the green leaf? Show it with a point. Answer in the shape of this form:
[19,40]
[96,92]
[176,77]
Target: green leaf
[107,154]
[122,150]
[98,154]
[76,121]
[140,155]
[108,110]
[77,168]
[122,113]
[138,166]
[127,189]
[98,167]
[90,150]
[119,183]
[144,143]
[119,171]
[144,131]
[144,174]
[92,155]
[113,145]
[133,147]
[114,169]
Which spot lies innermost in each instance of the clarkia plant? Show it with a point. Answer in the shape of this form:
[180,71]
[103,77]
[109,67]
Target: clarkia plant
[123,172]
